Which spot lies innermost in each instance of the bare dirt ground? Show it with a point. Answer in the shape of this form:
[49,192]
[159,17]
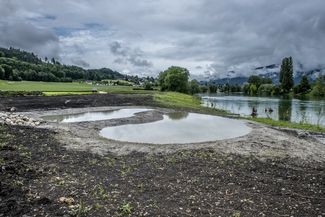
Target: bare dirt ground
[68,170]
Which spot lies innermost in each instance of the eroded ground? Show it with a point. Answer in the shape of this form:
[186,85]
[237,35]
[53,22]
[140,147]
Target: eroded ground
[67,170]
[37,170]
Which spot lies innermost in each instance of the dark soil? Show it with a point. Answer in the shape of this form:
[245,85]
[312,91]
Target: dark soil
[27,103]
[35,171]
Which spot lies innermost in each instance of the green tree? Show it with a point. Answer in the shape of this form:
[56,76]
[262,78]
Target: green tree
[252,89]
[194,87]
[265,89]
[258,80]
[319,87]
[2,73]
[286,74]
[8,71]
[303,87]
[174,79]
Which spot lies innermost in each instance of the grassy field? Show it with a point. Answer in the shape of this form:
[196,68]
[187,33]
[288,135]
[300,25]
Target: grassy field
[287,124]
[56,88]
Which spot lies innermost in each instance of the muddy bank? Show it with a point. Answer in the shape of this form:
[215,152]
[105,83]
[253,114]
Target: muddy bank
[36,171]
[26,103]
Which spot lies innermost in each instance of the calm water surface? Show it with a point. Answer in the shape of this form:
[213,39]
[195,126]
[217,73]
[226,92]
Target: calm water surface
[294,110]
[95,115]
[179,127]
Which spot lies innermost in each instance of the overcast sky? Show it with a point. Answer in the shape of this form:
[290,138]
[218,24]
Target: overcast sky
[147,36]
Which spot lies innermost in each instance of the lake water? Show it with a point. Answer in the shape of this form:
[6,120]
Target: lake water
[178,128]
[294,110]
[95,115]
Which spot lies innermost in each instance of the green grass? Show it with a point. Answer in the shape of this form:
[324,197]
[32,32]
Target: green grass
[184,102]
[173,99]
[66,93]
[57,88]
[288,124]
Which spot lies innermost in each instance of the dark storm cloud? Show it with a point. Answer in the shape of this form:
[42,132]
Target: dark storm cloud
[219,36]
[133,56]
[28,37]
[17,32]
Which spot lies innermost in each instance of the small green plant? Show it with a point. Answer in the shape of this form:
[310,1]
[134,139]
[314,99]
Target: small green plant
[235,214]
[80,210]
[125,209]
[100,192]
[125,169]
[97,206]
[2,161]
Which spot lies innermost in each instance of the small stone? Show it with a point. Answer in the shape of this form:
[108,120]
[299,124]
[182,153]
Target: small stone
[67,200]
[303,134]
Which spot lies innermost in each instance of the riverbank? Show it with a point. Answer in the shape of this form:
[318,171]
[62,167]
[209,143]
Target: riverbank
[65,170]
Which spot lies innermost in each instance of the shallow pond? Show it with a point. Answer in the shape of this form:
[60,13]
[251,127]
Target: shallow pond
[179,127]
[294,110]
[95,115]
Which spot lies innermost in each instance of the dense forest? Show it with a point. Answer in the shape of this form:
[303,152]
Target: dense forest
[16,65]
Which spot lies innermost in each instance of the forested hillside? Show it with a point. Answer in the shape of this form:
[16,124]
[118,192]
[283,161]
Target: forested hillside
[16,65]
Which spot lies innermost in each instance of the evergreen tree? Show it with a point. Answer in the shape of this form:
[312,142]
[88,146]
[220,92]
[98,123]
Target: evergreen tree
[286,74]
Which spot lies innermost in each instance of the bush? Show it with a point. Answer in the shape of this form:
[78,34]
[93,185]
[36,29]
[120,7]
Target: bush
[319,87]
[265,89]
[147,86]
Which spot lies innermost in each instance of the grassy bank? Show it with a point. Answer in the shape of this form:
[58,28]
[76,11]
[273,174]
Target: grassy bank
[60,88]
[184,102]
[288,124]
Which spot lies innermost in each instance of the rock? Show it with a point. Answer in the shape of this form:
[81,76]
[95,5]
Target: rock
[67,200]
[303,134]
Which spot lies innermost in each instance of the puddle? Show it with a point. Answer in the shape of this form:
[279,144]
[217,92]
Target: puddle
[179,128]
[94,116]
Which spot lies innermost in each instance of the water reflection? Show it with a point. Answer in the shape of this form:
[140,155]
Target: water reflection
[95,116]
[284,110]
[189,128]
[177,115]
[295,110]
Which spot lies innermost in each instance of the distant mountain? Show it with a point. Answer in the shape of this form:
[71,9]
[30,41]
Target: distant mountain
[269,71]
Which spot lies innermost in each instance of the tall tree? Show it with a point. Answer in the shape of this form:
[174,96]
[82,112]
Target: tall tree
[174,79]
[286,74]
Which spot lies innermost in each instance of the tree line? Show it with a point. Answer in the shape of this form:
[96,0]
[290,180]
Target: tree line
[17,65]
[177,79]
